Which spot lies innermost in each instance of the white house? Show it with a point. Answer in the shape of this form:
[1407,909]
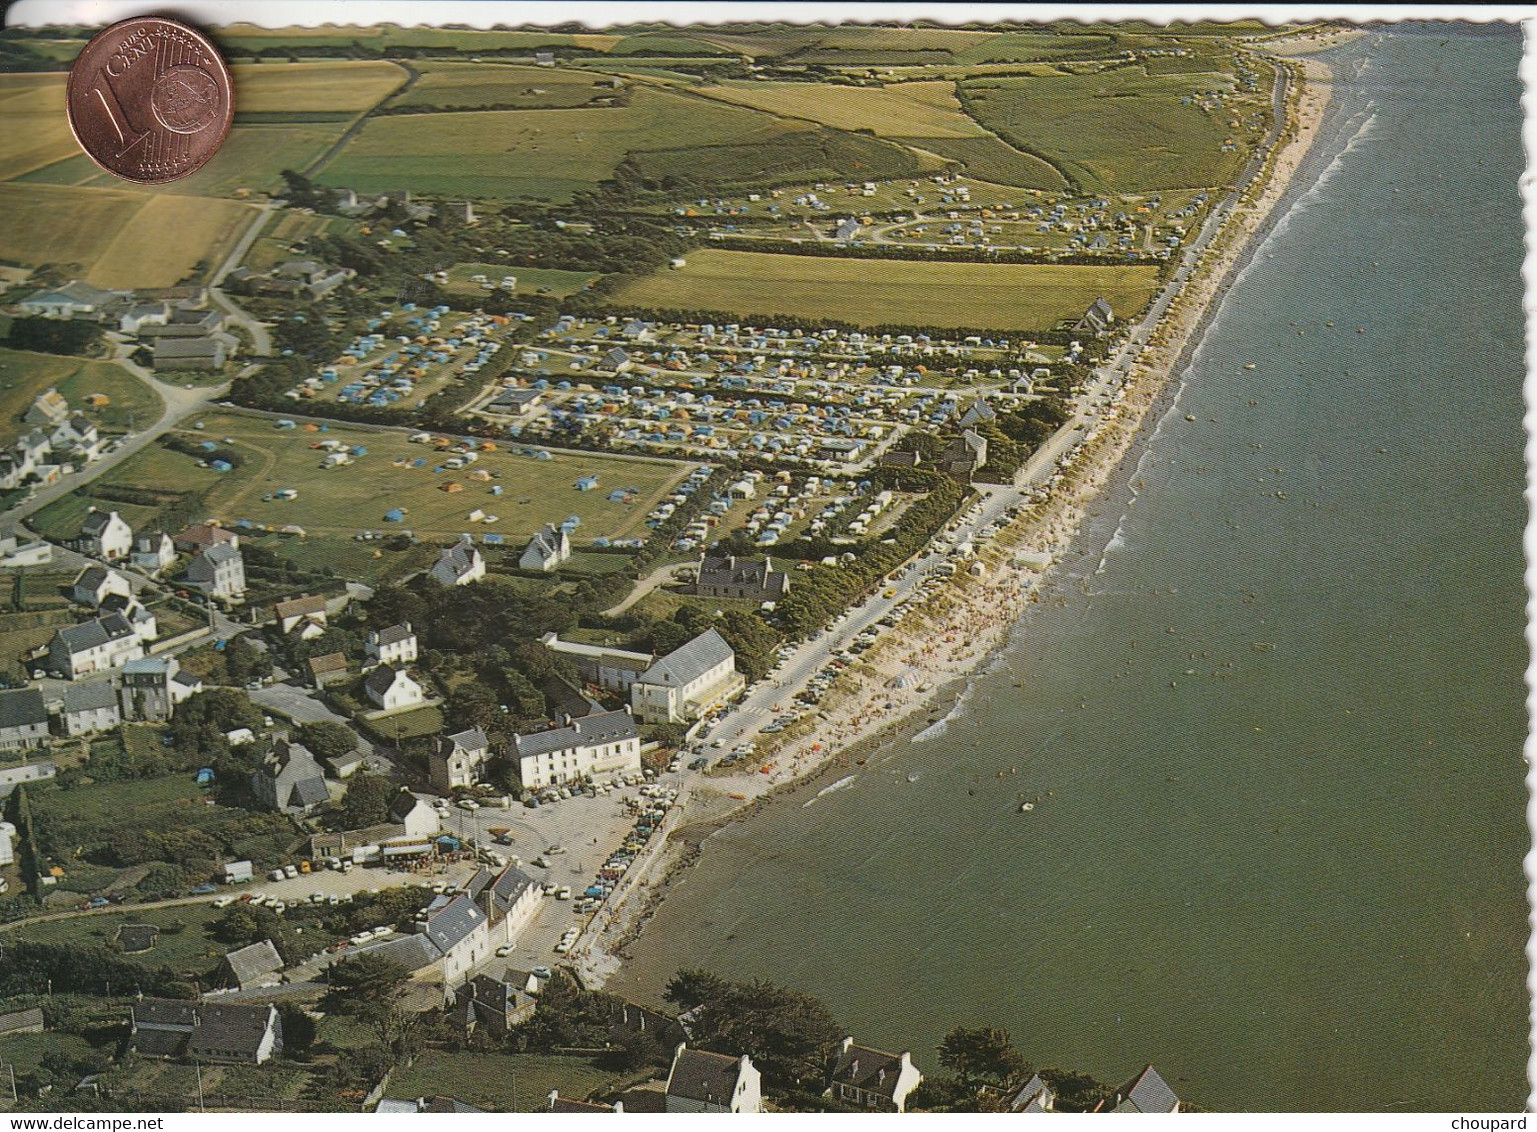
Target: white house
[94,583]
[602,743]
[391,689]
[105,534]
[219,572]
[547,550]
[459,565]
[457,759]
[873,1079]
[89,708]
[687,682]
[395,645]
[305,613]
[461,932]
[700,1081]
[23,719]
[414,814]
[94,646]
[153,551]
[511,900]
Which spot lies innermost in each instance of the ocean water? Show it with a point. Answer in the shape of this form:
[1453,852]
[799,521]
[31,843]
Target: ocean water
[1275,714]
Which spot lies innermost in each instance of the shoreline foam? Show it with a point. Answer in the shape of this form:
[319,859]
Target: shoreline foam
[967,627]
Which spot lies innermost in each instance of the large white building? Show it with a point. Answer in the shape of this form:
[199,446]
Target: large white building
[94,646]
[687,682]
[601,743]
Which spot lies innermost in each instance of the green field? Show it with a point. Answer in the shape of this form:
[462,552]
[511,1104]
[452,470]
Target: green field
[186,948]
[23,375]
[379,36]
[289,88]
[885,292]
[36,131]
[989,158]
[1121,129]
[540,154]
[469,86]
[903,110]
[497,1081]
[344,500]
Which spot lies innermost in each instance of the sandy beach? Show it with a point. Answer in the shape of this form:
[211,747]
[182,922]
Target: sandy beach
[917,672]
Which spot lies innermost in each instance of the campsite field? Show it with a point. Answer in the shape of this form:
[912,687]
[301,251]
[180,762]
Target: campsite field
[23,375]
[884,292]
[531,280]
[1121,129]
[345,500]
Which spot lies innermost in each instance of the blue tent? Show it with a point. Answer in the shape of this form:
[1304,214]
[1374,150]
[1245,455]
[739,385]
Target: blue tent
[205,776]
[394,515]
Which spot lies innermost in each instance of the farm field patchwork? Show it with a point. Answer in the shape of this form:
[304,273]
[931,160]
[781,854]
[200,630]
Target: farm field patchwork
[342,501]
[249,37]
[546,154]
[875,292]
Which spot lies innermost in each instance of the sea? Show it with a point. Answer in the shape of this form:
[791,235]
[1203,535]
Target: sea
[1273,709]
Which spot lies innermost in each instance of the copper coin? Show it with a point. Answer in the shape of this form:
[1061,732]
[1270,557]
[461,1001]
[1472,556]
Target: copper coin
[150,100]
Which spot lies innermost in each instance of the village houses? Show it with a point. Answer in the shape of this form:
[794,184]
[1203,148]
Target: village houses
[600,743]
[392,689]
[203,1031]
[290,780]
[219,572]
[23,719]
[105,535]
[98,645]
[873,1079]
[700,1081]
[459,565]
[549,549]
[395,645]
[457,760]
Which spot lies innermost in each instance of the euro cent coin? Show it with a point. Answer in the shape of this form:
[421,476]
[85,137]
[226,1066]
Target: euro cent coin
[150,100]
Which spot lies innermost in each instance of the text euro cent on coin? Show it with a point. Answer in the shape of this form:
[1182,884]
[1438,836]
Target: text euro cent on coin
[150,100]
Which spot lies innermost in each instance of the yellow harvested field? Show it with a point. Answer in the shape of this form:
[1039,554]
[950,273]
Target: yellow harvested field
[300,87]
[890,112]
[60,224]
[166,239]
[36,130]
[115,237]
[873,292]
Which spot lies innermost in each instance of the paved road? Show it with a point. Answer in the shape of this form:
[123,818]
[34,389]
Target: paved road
[261,341]
[658,577]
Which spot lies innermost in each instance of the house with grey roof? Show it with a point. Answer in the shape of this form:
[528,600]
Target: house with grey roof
[23,719]
[105,535]
[609,668]
[493,1005]
[600,743]
[510,900]
[395,644]
[1097,319]
[92,585]
[700,1081]
[392,689]
[458,565]
[873,1079]
[726,575]
[1036,1096]
[687,682]
[75,299]
[153,551]
[549,549]
[221,1032]
[458,759]
[257,965]
[290,780]
[1146,1092]
[965,454]
[89,708]
[980,412]
[460,932]
[201,352]
[98,645]
[150,688]
[48,409]
[219,572]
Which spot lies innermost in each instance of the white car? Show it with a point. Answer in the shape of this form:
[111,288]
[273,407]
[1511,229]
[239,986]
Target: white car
[468,804]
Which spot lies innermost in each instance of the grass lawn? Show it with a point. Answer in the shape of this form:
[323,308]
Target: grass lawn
[501,1082]
[24,374]
[1121,129]
[235,37]
[991,158]
[531,280]
[406,725]
[541,154]
[1017,297]
[184,946]
[25,1052]
[344,500]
